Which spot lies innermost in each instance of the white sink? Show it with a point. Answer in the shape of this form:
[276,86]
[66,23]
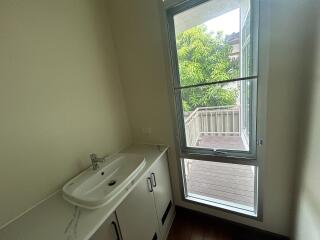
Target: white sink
[95,188]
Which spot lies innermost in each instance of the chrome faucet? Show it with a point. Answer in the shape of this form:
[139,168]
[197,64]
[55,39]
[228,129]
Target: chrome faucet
[95,160]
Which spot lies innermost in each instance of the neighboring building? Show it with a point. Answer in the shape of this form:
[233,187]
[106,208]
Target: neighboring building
[234,40]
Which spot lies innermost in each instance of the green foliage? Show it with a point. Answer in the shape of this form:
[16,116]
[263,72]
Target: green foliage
[204,57]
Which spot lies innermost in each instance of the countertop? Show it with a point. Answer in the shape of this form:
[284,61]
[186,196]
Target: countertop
[56,219]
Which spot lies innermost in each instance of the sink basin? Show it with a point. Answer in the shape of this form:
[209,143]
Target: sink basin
[95,188]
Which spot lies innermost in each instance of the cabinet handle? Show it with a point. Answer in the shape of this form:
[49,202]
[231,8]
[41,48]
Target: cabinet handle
[153,178]
[149,181]
[155,237]
[116,230]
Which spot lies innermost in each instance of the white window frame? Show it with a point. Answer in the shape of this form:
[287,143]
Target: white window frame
[228,156]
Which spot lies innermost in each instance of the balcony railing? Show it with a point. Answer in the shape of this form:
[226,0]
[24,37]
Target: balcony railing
[212,121]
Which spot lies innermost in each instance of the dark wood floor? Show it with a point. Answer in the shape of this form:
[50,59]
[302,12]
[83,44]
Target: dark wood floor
[189,225]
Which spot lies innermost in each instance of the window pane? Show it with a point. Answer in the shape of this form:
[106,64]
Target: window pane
[225,184]
[218,116]
[213,42]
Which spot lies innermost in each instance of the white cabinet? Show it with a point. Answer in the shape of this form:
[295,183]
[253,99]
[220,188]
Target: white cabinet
[160,178]
[146,212]
[136,214]
[109,230]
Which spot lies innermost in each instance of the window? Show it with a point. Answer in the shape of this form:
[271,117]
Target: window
[213,45]
[229,186]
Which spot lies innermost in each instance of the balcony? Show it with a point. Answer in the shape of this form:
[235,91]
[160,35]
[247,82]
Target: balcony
[215,127]
[219,183]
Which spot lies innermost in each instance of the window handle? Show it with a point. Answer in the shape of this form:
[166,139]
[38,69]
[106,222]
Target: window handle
[153,180]
[260,142]
[219,152]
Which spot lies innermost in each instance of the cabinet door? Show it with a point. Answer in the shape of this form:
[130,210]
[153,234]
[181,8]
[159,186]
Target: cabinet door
[137,214]
[109,230]
[162,193]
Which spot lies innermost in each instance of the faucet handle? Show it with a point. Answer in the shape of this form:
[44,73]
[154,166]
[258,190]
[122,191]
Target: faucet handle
[93,156]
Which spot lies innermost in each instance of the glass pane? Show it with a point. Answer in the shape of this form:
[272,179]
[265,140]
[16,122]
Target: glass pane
[225,184]
[218,116]
[214,42]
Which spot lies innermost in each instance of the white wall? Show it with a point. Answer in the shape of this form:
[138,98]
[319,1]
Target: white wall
[139,40]
[307,221]
[141,48]
[60,96]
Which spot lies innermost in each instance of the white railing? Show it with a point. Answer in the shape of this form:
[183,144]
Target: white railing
[215,121]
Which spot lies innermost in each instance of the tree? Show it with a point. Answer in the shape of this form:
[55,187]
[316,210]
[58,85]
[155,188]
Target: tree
[204,57]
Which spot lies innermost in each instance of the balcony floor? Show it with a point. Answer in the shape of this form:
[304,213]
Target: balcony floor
[222,142]
[231,183]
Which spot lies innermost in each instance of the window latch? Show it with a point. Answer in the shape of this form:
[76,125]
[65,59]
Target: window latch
[219,152]
[259,142]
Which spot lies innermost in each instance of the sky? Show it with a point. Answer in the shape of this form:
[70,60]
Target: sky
[228,22]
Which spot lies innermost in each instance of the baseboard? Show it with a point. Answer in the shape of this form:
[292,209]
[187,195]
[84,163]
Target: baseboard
[247,232]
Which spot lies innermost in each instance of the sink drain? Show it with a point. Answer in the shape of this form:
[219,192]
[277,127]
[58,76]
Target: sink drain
[112,182]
